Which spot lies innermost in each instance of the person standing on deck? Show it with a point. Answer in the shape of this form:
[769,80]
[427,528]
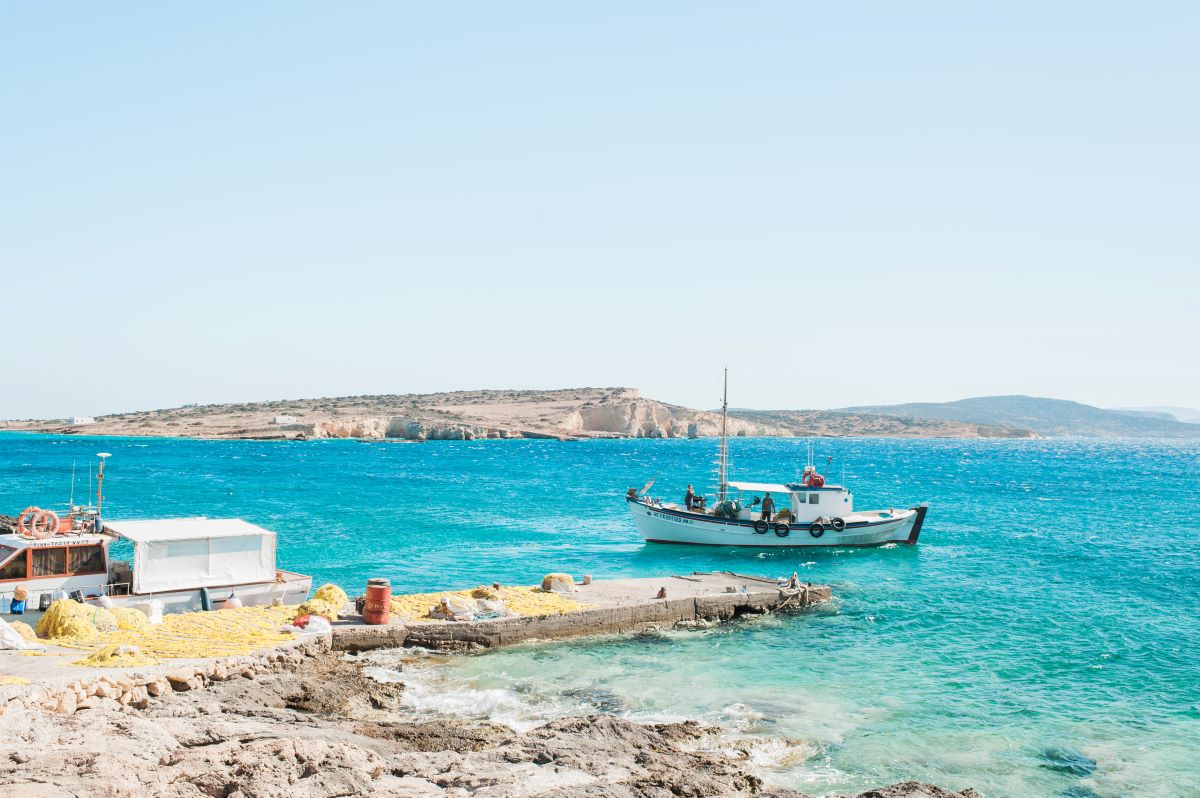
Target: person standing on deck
[768,508]
[690,498]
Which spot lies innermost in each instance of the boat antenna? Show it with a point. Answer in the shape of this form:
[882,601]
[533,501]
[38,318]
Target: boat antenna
[71,498]
[100,482]
[721,462]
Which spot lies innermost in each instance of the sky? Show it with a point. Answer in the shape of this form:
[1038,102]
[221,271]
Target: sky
[844,203]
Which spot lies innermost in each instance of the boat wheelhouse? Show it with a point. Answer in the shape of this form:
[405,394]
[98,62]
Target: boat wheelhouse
[802,513]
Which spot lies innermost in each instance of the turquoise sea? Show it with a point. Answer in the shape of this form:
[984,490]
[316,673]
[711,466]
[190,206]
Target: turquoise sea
[1042,640]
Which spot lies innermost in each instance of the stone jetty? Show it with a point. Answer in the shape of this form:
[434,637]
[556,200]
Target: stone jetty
[613,606]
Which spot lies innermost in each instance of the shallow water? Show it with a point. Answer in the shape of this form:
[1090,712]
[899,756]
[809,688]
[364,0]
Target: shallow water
[1041,640]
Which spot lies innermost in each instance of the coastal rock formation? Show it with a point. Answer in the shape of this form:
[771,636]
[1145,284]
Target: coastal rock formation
[308,724]
[472,415]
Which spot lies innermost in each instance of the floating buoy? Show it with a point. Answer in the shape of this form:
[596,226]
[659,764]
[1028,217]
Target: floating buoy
[233,602]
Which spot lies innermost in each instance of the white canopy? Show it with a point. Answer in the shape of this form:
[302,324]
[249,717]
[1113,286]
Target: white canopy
[189,553]
[759,487]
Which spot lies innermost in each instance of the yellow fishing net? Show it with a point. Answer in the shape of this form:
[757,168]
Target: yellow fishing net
[13,680]
[68,620]
[549,579]
[332,594]
[521,600]
[24,630]
[116,656]
[131,619]
[184,635]
[315,606]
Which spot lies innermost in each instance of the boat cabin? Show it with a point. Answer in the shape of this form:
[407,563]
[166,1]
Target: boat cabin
[70,563]
[804,503]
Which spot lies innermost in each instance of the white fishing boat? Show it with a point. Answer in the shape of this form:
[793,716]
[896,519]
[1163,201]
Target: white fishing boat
[185,564]
[801,512]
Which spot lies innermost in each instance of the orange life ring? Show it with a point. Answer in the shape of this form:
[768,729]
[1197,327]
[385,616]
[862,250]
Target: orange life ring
[814,480]
[26,520]
[44,525]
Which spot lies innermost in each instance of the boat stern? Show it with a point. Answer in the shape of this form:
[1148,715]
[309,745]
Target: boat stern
[914,531]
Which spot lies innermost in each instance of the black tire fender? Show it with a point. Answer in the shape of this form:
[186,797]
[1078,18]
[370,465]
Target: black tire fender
[838,524]
[816,529]
[760,527]
[782,530]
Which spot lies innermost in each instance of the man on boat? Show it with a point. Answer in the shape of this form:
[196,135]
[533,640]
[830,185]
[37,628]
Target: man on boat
[768,508]
[690,498]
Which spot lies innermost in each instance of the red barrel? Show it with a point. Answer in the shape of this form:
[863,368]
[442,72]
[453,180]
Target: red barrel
[379,602]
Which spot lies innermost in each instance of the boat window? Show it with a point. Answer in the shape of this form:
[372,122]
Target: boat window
[187,548]
[814,498]
[242,543]
[86,559]
[49,562]
[15,568]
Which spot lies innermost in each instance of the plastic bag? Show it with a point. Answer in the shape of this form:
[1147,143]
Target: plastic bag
[491,608]
[152,609]
[455,608]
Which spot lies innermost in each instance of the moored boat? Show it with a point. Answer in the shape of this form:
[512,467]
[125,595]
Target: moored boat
[183,563]
[806,512]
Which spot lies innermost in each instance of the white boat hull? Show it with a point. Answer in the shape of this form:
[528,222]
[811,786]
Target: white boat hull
[664,525]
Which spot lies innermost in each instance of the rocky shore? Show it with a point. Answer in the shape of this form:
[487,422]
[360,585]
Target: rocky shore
[310,723]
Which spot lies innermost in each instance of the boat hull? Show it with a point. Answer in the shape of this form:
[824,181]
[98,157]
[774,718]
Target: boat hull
[664,525]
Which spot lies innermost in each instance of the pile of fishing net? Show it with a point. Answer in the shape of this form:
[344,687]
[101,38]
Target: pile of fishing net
[319,607]
[558,583]
[228,632]
[25,631]
[470,604]
[328,602]
[332,594]
[71,622]
[130,619]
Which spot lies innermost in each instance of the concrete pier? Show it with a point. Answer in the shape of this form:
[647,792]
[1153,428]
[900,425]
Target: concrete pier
[614,606]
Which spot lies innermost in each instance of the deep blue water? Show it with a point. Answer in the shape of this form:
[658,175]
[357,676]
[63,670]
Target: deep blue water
[1043,638]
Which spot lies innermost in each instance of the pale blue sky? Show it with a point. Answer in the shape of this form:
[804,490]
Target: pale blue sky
[848,203]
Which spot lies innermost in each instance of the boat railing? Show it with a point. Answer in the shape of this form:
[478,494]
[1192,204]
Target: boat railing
[34,596]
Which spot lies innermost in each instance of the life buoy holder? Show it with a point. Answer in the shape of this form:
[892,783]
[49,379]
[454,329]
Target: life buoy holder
[760,527]
[838,524]
[782,530]
[816,529]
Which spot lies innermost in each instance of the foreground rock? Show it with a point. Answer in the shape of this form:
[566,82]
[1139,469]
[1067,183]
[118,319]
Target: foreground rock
[326,730]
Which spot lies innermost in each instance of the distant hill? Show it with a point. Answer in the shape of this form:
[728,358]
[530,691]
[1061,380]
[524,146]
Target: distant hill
[837,423]
[1184,414]
[1049,417]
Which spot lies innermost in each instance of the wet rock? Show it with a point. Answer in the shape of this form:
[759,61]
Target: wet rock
[915,789]
[1067,760]
[442,735]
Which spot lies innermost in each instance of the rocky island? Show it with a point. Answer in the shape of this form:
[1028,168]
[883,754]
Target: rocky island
[565,414]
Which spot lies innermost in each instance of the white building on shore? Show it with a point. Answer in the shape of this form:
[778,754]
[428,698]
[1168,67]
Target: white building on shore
[76,421]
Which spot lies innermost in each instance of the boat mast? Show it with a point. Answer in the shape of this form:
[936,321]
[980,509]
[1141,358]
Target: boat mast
[721,462]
